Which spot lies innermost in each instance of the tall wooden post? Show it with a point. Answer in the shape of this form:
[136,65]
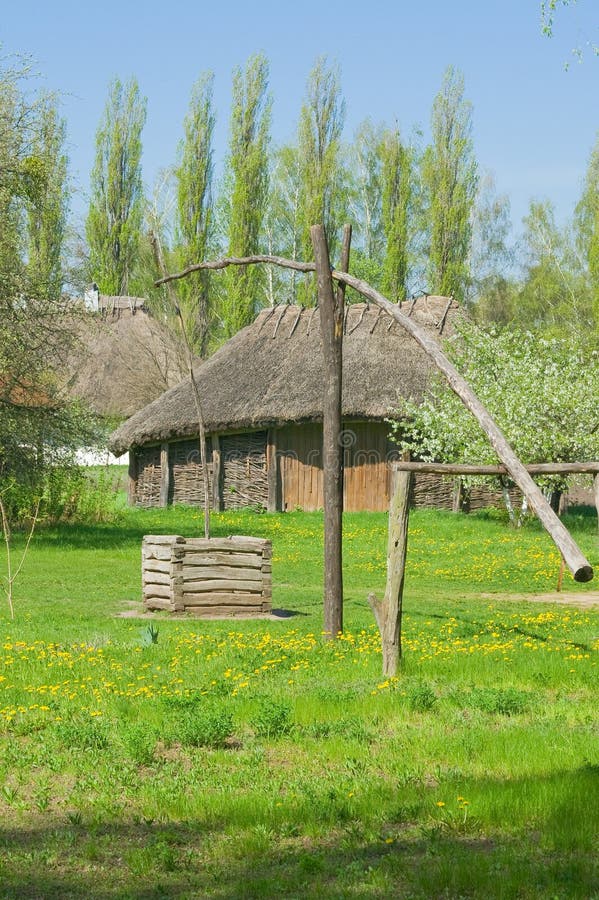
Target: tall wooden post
[165,475]
[217,493]
[272,465]
[132,477]
[596,491]
[331,324]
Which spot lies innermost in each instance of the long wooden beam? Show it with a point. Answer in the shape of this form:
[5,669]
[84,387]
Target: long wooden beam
[433,468]
[579,566]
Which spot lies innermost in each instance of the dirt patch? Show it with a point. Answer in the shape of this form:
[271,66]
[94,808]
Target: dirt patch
[588,600]
[136,611]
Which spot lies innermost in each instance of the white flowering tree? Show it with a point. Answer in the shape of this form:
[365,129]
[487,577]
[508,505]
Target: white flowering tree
[543,394]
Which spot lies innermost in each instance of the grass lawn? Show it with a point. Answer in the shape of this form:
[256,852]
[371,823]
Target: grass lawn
[250,759]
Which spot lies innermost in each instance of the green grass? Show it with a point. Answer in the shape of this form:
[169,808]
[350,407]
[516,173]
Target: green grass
[253,759]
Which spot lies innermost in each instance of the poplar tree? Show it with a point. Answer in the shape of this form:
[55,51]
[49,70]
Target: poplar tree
[47,210]
[449,175]
[282,225]
[319,146]
[114,220]
[366,204]
[194,215]
[246,181]
[397,200]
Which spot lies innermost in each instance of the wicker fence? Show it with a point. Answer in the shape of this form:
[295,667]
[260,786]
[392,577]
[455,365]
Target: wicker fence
[207,577]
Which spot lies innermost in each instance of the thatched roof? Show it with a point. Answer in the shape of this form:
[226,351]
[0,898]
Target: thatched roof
[271,373]
[123,360]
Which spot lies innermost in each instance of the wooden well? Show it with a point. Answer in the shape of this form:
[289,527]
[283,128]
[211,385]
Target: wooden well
[207,577]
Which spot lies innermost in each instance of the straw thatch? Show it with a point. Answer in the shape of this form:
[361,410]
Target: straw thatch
[123,360]
[271,374]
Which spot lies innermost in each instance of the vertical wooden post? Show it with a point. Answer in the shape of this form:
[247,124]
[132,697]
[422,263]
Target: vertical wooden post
[165,475]
[331,324]
[217,492]
[132,477]
[596,490]
[272,471]
[388,612]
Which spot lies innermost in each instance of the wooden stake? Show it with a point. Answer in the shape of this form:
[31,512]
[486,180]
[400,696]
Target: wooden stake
[388,612]
[331,323]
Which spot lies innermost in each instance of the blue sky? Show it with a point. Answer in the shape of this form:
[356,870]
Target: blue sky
[534,122]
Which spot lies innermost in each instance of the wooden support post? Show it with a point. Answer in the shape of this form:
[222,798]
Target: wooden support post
[458,495]
[132,479]
[331,319]
[388,611]
[596,491]
[217,488]
[272,471]
[165,475]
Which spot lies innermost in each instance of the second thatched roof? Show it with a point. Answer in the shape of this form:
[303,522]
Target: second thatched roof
[271,373]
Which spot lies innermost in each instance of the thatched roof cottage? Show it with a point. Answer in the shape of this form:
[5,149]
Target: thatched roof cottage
[262,403]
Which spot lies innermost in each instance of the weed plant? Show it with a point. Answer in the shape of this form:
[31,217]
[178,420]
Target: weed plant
[192,758]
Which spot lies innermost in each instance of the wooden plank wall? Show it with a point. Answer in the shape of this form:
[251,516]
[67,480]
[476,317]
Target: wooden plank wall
[366,472]
[366,476]
[300,450]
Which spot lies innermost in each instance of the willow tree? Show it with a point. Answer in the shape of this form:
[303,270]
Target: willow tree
[246,181]
[194,213]
[114,221]
[450,179]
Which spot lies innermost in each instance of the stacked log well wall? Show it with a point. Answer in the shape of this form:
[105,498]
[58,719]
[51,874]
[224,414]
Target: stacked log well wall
[207,576]
[161,563]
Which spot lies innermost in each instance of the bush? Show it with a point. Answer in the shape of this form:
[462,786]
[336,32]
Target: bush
[66,493]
